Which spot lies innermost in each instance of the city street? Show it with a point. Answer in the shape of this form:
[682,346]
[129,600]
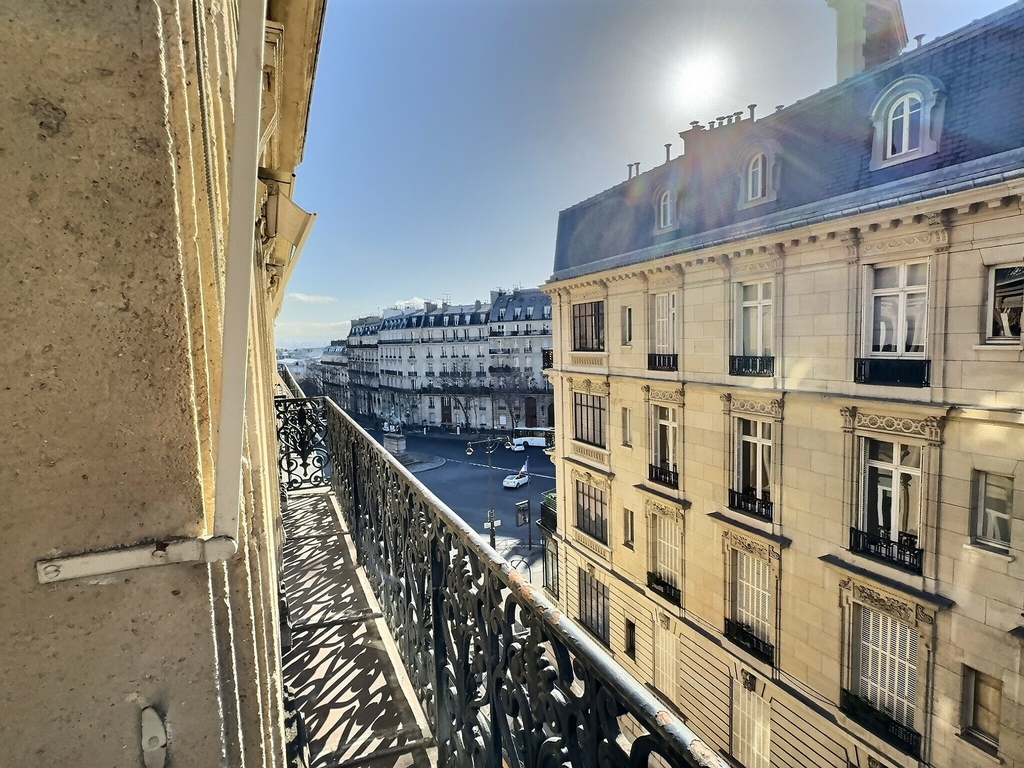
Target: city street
[466,485]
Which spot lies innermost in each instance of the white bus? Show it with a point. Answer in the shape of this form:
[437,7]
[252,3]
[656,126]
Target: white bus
[536,437]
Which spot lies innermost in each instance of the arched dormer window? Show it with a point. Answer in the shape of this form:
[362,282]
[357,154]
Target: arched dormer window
[758,168]
[907,121]
[664,201]
[665,210]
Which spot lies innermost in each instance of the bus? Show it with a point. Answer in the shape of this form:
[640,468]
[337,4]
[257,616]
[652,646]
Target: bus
[535,437]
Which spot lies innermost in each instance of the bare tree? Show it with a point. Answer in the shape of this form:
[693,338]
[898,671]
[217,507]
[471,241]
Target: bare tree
[313,383]
[458,383]
[509,387]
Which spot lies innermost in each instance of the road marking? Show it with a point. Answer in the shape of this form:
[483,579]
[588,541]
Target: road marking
[500,469]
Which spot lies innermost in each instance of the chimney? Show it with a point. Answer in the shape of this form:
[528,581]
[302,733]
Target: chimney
[868,33]
[429,306]
[477,305]
[668,152]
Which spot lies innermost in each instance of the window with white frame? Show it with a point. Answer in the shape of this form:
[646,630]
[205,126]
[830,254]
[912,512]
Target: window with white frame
[1005,299]
[757,166]
[666,209]
[588,418]
[593,605]
[756,177]
[665,659]
[891,506]
[751,600]
[663,437]
[592,511]
[551,565]
[885,664]
[588,327]
[903,126]
[627,426]
[628,527]
[665,551]
[663,323]
[907,120]
[751,729]
[993,506]
[982,707]
[627,326]
[899,310]
[755,327]
[754,459]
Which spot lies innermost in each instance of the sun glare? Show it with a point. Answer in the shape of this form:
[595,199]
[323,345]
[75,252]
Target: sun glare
[696,81]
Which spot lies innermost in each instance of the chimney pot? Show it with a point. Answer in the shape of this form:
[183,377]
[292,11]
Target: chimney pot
[752,107]
[668,152]
[779,106]
[919,38]
[694,123]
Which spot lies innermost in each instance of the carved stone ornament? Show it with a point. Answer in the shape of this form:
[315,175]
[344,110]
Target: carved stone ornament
[897,606]
[849,414]
[601,388]
[595,481]
[772,408]
[664,620]
[929,428]
[664,395]
[749,680]
[735,540]
[653,507]
[922,240]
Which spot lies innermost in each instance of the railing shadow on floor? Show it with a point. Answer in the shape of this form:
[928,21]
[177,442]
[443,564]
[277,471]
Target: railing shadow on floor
[503,677]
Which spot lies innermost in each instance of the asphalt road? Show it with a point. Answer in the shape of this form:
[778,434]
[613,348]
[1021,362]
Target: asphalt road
[466,485]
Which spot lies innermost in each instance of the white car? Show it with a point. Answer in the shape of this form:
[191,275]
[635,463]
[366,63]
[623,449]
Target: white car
[515,481]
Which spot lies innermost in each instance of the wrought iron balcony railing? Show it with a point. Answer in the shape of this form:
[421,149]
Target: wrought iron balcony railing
[503,677]
[880,723]
[903,552]
[549,510]
[751,365]
[547,358]
[751,504]
[892,372]
[663,475]
[664,588]
[742,635]
[662,362]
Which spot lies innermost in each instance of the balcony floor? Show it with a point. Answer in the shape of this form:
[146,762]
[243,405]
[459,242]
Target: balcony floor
[343,667]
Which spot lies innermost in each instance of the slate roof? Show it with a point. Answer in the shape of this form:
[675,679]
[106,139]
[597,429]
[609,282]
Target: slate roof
[520,299]
[825,143]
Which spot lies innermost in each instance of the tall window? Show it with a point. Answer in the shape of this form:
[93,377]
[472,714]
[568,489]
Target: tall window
[982,704]
[993,504]
[663,437]
[665,660]
[904,125]
[627,326]
[752,595]
[588,418]
[899,309]
[751,732]
[1005,299]
[665,212]
[592,511]
[628,528]
[627,426]
[629,642]
[754,459]
[593,607]
[756,178]
[755,321]
[663,323]
[664,558]
[551,565]
[892,490]
[588,327]
[885,662]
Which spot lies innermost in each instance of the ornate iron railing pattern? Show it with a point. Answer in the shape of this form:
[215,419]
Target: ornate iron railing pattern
[880,723]
[903,552]
[503,676]
[662,362]
[665,588]
[751,504]
[663,475]
[744,637]
[751,365]
[302,442]
[892,372]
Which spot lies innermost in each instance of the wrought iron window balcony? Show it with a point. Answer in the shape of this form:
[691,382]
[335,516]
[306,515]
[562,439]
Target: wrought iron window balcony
[892,371]
[751,365]
[549,511]
[547,358]
[662,362]
[742,635]
[663,475]
[880,723]
[496,333]
[903,552]
[751,504]
[670,592]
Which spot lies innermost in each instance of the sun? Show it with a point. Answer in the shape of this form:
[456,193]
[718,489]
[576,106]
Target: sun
[696,81]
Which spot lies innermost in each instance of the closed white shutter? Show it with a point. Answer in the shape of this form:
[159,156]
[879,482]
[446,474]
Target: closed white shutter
[888,665]
[751,728]
[665,552]
[753,598]
[665,661]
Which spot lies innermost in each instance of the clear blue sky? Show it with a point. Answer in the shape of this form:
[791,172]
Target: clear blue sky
[446,135]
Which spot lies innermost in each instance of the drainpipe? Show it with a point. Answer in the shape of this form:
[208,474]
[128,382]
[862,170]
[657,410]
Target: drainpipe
[238,285]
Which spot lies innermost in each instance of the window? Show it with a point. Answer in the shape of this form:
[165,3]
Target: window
[1005,299]
[899,309]
[588,418]
[627,426]
[756,177]
[663,576]
[627,326]
[751,491]
[885,664]
[665,661]
[547,312]
[982,703]
[892,489]
[551,565]
[663,467]
[588,327]
[751,730]
[430,401]
[752,595]
[663,323]
[591,511]
[628,528]
[666,209]
[756,327]
[629,644]
[993,504]
[907,120]
[593,606]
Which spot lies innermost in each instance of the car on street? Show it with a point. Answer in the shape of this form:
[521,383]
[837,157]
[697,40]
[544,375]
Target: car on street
[515,481]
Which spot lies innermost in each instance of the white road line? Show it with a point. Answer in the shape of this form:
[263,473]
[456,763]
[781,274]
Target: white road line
[500,469]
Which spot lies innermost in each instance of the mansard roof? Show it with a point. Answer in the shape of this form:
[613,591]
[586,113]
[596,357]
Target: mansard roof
[520,299]
[824,150]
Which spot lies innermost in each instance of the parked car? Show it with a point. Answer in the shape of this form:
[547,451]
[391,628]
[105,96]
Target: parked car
[515,481]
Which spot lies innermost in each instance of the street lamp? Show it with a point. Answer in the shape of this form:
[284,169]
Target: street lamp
[490,445]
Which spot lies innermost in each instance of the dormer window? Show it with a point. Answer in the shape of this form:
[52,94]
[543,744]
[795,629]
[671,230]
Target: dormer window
[756,178]
[664,203]
[907,121]
[665,210]
[758,169]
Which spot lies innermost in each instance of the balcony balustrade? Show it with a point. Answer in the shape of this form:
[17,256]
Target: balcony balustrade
[503,677]
[549,510]
[750,503]
[663,475]
[746,639]
[892,372]
[903,552]
[547,358]
[664,588]
[662,362]
[494,332]
[751,365]
[880,723]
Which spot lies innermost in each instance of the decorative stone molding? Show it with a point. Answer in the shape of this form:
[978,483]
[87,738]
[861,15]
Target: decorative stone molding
[849,414]
[591,387]
[890,603]
[749,680]
[663,395]
[664,620]
[772,408]
[590,543]
[928,428]
[851,239]
[598,455]
[651,506]
[935,239]
[735,540]
[596,481]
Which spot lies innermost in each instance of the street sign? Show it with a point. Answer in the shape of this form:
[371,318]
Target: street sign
[492,523]
[523,513]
